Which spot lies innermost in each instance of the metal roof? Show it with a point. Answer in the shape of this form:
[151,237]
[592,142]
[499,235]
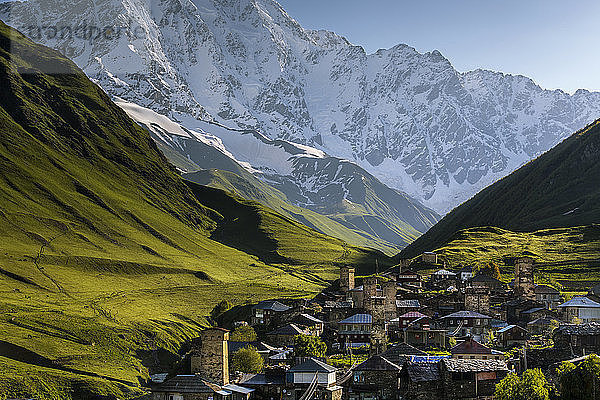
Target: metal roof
[581,302]
[313,365]
[466,314]
[412,314]
[237,389]
[358,319]
[311,318]
[408,304]
[272,305]
[509,327]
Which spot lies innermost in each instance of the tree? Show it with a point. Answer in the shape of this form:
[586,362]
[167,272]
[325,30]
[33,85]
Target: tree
[247,360]
[490,269]
[532,385]
[508,388]
[582,381]
[243,333]
[220,308]
[309,346]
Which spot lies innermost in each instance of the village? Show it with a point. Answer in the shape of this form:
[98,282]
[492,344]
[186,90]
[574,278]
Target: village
[454,333]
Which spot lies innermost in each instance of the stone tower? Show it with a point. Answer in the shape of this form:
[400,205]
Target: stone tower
[524,283]
[369,291]
[378,332]
[389,293]
[213,362]
[346,279]
[477,299]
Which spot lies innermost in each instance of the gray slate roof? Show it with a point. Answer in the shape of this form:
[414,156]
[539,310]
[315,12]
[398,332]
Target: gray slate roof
[473,365]
[272,305]
[377,363]
[183,384]
[590,328]
[422,372]
[399,353]
[313,365]
[289,330]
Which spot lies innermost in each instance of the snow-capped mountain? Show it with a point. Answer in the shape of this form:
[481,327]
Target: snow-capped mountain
[342,198]
[408,118]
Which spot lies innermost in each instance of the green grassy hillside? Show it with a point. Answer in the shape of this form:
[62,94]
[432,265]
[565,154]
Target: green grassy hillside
[249,187]
[561,188]
[568,256]
[109,261]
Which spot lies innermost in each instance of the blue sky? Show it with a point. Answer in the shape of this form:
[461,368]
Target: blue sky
[555,42]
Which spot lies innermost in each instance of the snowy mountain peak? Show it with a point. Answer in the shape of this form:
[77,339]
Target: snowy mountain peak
[408,118]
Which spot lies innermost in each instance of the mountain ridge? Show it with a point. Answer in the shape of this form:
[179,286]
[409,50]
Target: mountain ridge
[408,118]
[560,188]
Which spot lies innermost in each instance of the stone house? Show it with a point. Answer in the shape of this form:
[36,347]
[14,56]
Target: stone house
[334,311]
[409,278]
[420,381]
[299,378]
[465,323]
[375,378]
[424,338]
[585,309]
[541,326]
[534,313]
[405,319]
[284,335]
[470,378]
[210,373]
[547,295]
[268,385]
[193,387]
[494,285]
[512,309]
[512,336]
[401,353]
[580,339]
[429,257]
[471,349]
[355,331]
[478,299]
[264,312]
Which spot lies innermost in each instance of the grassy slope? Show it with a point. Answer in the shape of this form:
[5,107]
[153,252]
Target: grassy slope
[131,261]
[562,247]
[561,188]
[248,187]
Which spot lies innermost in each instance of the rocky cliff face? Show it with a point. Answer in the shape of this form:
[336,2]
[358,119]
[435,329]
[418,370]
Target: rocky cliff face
[409,119]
